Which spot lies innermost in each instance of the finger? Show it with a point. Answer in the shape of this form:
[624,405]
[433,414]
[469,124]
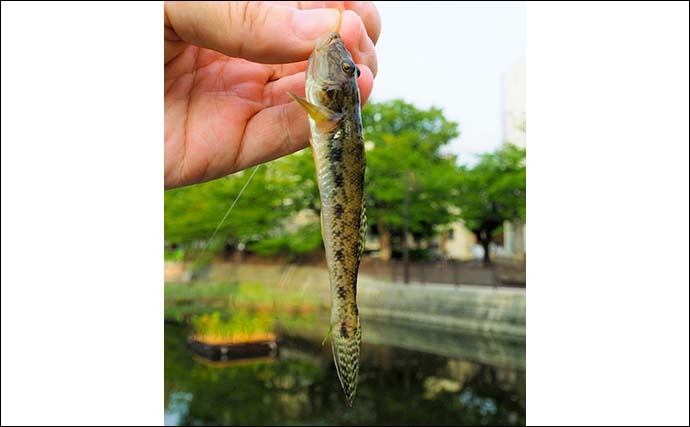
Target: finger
[365,9]
[355,37]
[272,133]
[173,45]
[370,16]
[257,31]
[365,82]
[279,71]
[356,40]
[276,92]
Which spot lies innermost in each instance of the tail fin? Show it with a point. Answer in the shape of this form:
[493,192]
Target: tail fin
[346,356]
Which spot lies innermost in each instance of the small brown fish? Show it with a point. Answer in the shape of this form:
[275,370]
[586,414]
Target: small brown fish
[333,104]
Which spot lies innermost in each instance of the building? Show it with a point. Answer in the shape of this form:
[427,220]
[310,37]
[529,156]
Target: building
[514,132]
[459,243]
[514,102]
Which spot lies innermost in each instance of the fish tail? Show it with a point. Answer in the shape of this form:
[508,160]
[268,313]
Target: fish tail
[346,356]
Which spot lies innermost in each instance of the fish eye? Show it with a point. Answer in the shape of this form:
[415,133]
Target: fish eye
[348,67]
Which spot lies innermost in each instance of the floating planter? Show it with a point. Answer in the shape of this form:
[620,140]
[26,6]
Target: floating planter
[223,354]
[232,339]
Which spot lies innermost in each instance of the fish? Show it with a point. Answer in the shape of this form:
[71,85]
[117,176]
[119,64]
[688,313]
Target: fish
[335,120]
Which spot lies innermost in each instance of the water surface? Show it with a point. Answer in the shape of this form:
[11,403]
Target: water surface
[427,378]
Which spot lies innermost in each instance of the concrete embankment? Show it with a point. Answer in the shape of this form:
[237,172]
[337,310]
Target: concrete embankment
[498,312]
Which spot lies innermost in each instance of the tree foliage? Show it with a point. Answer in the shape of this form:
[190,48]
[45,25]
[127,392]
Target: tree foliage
[405,150]
[276,193]
[492,191]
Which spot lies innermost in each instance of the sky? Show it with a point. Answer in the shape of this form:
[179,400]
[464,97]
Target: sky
[451,56]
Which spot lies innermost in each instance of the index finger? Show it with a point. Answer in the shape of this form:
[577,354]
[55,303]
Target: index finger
[256,31]
[266,32]
[261,32]
[365,9]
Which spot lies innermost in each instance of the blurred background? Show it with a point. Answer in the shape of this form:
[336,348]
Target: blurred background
[442,282]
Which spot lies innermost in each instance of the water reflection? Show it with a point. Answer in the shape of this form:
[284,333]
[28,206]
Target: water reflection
[398,385]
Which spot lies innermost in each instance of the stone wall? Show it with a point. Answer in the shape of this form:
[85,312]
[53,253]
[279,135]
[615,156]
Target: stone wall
[485,310]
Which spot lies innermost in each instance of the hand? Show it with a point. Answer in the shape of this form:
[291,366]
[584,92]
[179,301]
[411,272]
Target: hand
[228,68]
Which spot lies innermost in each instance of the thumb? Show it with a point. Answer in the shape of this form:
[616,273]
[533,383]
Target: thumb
[256,31]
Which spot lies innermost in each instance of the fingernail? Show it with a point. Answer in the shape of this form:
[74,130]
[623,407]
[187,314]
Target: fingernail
[315,23]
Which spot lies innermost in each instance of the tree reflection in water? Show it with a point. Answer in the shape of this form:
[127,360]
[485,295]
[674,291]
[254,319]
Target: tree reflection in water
[396,386]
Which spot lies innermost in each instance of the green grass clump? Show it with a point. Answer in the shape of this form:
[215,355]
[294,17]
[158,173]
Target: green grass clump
[183,300]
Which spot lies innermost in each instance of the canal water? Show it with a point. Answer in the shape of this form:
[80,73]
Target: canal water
[407,377]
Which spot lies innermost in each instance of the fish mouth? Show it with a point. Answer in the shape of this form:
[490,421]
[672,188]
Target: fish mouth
[327,41]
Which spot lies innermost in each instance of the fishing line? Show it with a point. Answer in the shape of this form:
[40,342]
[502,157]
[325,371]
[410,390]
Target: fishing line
[208,242]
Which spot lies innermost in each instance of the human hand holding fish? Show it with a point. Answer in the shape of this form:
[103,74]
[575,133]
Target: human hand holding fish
[230,72]
[228,69]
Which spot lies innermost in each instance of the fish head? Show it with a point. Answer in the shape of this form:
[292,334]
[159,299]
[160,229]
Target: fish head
[332,75]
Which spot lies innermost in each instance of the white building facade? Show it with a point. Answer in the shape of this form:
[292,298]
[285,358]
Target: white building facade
[514,132]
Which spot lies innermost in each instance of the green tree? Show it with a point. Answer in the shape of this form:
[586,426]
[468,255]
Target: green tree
[492,191]
[277,192]
[404,147]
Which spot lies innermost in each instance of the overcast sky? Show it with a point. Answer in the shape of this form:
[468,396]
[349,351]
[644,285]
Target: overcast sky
[452,56]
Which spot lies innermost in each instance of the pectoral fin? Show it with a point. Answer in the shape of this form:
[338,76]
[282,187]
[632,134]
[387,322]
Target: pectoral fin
[324,118]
